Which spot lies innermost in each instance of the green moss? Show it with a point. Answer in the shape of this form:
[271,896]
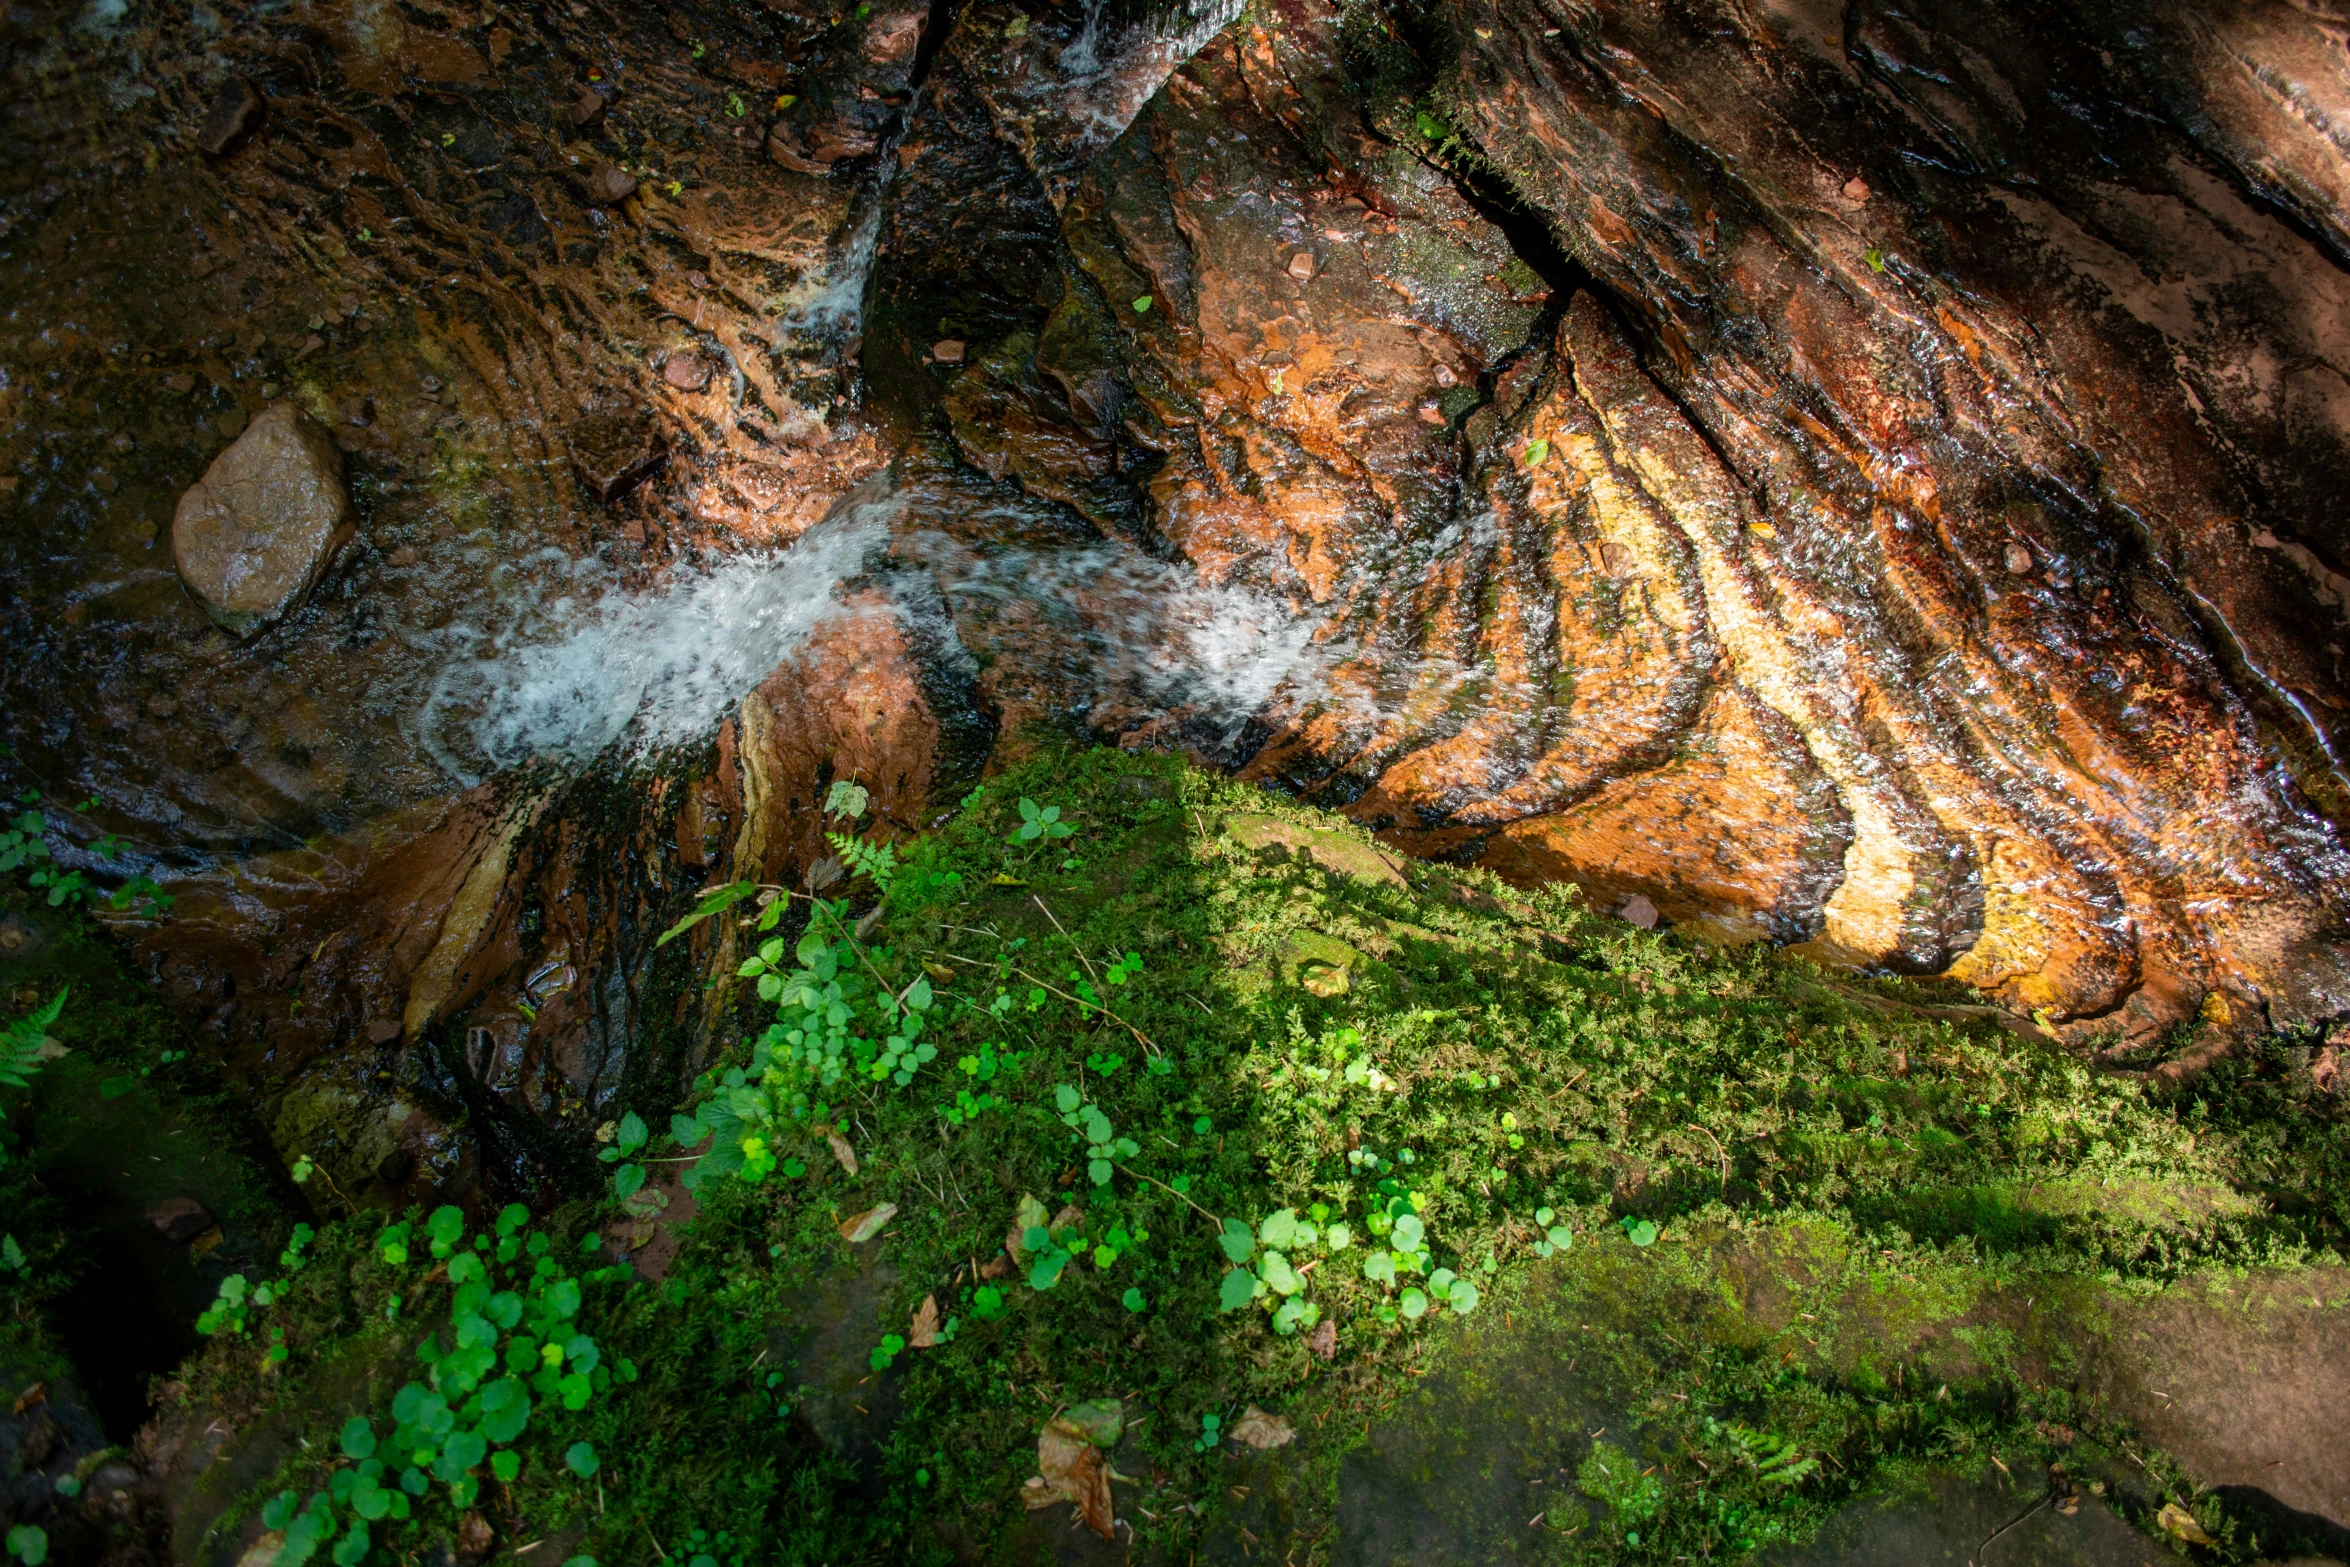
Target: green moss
[1857,1195]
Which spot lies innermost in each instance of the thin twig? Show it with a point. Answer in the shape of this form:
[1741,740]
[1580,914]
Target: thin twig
[1725,1156]
[2011,1523]
[1163,1186]
[1065,936]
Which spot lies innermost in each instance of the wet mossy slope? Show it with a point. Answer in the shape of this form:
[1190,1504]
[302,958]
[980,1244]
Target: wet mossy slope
[1547,1238]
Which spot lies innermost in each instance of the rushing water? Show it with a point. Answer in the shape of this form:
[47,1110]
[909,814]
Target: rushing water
[597,663]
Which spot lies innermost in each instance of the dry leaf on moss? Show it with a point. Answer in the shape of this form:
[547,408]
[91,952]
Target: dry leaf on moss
[842,1151]
[1029,1216]
[862,1227]
[2180,1523]
[1258,1429]
[923,1334]
[1070,1468]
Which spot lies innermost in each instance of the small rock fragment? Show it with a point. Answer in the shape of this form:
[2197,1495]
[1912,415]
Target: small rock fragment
[1430,413]
[687,371]
[356,410]
[1301,266]
[231,423]
[179,383]
[2019,559]
[1856,189]
[947,351]
[587,110]
[257,531]
[1637,910]
[179,1220]
[610,185]
[784,147]
[474,1539]
[613,452]
[234,116]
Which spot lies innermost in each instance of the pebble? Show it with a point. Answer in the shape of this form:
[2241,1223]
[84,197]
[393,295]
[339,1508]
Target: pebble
[686,371]
[610,185]
[1301,266]
[947,351]
[231,424]
[1637,910]
[179,383]
[179,1220]
[2019,559]
[1856,189]
[234,116]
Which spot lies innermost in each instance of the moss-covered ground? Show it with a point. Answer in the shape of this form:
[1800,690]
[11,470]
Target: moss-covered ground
[1707,1241]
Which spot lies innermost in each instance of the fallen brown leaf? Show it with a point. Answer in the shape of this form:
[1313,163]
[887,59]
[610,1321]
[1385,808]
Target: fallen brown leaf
[842,1151]
[860,1228]
[1029,1215]
[923,1334]
[1066,1217]
[1071,1469]
[1258,1429]
[995,1267]
[38,1393]
[2180,1523]
[1323,1341]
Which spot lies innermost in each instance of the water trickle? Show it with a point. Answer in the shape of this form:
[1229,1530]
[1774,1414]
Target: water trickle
[596,663]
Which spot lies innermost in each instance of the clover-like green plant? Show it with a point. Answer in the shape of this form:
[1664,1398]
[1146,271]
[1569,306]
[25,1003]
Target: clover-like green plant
[1039,822]
[1103,1145]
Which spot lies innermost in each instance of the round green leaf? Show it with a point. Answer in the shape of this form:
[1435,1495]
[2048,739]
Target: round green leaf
[358,1438]
[1414,1303]
[581,1459]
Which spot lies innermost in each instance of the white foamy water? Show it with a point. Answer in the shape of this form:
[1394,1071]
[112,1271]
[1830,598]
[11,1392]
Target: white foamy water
[1132,628]
[594,664]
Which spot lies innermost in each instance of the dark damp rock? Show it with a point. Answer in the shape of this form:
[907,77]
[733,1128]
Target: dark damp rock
[233,118]
[610,185]
[614,452]
[687,371]
[179,1220]
[257,531]
[358,410]
[586,113]
[179,383]
[19,939]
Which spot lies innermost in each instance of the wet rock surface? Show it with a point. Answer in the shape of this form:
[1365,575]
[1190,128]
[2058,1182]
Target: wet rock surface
[1862,480]
[258,530]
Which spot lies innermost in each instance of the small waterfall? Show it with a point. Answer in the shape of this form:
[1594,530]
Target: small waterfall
[597,664]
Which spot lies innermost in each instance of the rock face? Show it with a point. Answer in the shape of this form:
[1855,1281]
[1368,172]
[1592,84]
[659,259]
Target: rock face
[256,532]
[1801,476]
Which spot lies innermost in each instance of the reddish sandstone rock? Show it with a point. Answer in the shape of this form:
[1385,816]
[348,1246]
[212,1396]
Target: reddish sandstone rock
[256,532]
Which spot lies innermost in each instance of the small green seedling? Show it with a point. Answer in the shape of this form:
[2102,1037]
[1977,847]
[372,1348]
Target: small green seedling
[1211,1434]
[1038,823]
